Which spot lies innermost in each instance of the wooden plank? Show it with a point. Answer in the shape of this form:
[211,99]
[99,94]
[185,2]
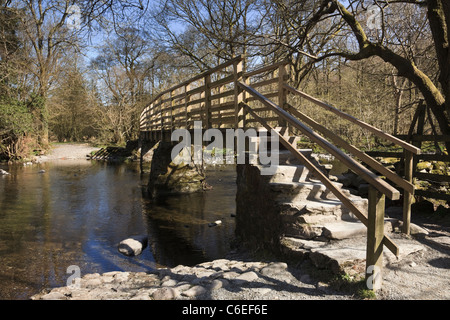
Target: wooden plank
[385,154]
[197,90]
[433,157]
[400,155]
[207,101]
[228,93]
[221,82]
[374,164]
[223,106]
[423,137]
[264,83]
[265,69]
[239,112]
[267,95]
[432,177]
[433,195]
[375,236]
[350,118]
[408,196]
[366,174]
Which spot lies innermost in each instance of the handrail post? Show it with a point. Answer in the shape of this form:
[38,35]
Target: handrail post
[161,118]
[207,96]
[186,102]
[239,112]
[375,235]
[171,111]
[282,92]
[407,196]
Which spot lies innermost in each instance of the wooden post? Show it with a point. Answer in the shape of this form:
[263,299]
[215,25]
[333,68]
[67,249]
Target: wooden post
[375,235]
[186,101]
[420,127]
[221,101]
[171,111]
[238,95]
[407,196]
[207,101]
[282,93]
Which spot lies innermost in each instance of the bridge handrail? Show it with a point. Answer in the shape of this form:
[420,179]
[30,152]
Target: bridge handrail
[362,124]
[368,175]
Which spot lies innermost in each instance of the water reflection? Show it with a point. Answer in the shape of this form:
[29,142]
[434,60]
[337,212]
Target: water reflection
[179,225]
[76,212]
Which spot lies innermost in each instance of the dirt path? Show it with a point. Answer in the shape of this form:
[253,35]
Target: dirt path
[67,151]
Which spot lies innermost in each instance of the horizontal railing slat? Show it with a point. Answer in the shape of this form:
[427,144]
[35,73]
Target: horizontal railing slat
[350,118]
[366,174]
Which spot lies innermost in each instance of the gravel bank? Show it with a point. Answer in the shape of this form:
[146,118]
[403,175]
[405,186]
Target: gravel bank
[67,151]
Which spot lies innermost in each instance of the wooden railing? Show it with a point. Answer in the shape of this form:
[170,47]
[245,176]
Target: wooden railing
[225,97]
[212,97]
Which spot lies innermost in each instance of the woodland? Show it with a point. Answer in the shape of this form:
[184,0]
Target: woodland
[82,71]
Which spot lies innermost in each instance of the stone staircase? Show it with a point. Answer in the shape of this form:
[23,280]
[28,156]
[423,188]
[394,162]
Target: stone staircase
[309,210]
[314,224]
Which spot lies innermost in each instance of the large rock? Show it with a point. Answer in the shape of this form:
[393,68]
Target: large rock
[133,246]
[167,177]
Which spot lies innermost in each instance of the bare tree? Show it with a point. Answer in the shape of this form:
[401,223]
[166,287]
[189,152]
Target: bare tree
[223,28]
[124,68]
[350,21]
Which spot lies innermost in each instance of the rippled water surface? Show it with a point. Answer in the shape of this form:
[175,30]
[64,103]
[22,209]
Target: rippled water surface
[76,213]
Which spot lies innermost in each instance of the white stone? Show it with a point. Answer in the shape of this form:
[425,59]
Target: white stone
[248,276]
[194,291]
[133,246]
[166,293]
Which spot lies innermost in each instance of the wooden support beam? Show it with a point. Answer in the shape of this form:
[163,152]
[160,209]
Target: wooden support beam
[375,237]
[408,196]
[282,92]
[239,112]
[207,101]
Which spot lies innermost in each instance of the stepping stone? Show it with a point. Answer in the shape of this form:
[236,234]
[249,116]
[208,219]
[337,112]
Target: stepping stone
[344,230]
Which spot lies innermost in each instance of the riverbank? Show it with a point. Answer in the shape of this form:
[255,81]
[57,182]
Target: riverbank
[67,151]
[423,275]
[223,279]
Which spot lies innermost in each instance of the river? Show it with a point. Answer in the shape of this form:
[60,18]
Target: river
[77,211]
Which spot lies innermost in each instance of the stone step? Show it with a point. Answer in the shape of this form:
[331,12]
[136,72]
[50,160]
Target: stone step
[313,218]
[347,255]
[297,191]
[291,185]
[290,173]
[340,230]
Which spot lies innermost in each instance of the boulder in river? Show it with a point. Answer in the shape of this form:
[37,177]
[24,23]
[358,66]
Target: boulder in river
[133,246]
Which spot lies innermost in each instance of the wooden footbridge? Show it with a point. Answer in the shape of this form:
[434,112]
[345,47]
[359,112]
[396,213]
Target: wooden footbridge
[229,97]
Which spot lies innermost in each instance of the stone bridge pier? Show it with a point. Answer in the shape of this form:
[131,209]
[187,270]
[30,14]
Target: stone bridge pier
[169,176]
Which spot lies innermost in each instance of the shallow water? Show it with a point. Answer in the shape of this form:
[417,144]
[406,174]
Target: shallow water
[76,213]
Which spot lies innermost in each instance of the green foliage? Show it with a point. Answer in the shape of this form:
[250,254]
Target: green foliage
[16,123]
[15,118]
